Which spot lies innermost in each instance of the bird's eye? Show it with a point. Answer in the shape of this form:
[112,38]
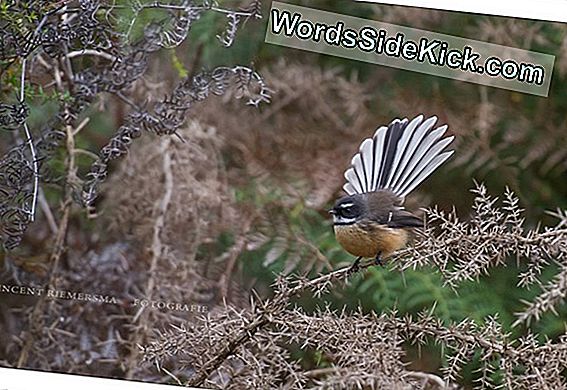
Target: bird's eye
[347,210]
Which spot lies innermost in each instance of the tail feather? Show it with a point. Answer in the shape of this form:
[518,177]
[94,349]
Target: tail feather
[408,132]
[418,178]
[393,134]
[415,138]
[417,153]
[399,157]
[378,146]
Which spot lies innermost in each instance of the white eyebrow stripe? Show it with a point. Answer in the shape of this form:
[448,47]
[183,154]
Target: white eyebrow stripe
[346,205]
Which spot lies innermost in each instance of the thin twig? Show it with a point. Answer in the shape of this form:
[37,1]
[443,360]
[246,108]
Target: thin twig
[30,143]
[47,211]
[91,52]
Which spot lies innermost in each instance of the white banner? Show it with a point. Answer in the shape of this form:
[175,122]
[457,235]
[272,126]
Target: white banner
[410,48]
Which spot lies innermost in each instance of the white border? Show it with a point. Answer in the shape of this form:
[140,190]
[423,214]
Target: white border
[12,379]
[548,10]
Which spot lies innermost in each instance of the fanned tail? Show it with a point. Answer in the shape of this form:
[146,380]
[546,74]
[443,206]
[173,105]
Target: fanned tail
[399,157]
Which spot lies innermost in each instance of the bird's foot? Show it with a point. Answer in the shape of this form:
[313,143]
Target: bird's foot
[355,267]
[378,260]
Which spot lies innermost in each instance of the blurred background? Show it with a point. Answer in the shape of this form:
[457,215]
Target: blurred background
[251,188]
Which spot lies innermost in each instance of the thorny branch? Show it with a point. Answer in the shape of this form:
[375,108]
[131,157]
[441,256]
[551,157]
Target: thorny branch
[464,339]
[285,290]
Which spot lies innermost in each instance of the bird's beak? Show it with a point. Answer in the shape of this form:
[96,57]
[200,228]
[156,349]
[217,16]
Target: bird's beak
[332,211]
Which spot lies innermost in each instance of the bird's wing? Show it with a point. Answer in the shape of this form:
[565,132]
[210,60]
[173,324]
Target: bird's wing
[404,219]
[398,157]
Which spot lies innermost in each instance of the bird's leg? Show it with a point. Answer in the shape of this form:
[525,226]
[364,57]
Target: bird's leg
[378,259]
[355,267]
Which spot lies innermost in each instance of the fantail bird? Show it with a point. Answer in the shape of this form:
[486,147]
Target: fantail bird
[371,222]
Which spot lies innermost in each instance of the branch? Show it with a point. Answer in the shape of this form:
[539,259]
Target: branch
[264,315]
[79,53]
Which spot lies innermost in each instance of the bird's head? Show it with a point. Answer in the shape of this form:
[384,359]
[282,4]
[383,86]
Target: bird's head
[348,209]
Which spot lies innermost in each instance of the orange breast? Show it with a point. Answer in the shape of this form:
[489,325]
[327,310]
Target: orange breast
[369,241]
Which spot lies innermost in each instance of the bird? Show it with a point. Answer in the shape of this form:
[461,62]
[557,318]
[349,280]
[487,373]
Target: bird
[371,221]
